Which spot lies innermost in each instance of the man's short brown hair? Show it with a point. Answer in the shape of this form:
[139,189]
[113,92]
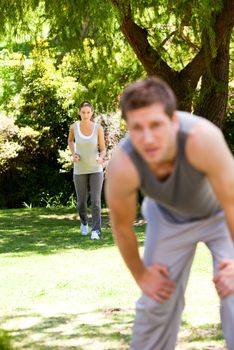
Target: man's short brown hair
[149,91]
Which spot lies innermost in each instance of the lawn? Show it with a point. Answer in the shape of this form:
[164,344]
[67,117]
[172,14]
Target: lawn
[60,290]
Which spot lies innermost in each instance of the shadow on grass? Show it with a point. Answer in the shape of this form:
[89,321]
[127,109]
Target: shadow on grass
[204,332]
[108,329]
[45,231]
[204,337]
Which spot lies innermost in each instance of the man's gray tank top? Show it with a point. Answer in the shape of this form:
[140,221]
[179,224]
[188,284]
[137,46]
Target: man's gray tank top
[186,195]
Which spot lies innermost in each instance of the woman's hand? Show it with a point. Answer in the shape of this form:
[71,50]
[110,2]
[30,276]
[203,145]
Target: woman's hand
[76,157]
[99,160]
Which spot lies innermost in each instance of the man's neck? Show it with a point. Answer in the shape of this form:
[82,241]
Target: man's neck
[164,169]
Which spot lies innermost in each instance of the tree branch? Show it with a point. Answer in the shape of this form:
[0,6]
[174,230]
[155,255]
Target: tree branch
[198,66]
[192,46]
[137,38]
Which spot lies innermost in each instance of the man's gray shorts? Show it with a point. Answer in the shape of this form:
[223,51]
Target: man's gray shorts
[156,325]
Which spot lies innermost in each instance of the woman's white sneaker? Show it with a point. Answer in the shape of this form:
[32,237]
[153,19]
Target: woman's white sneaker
[84,229]
[95,235]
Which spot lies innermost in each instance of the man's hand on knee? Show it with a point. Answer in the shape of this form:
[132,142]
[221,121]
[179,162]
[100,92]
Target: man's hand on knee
[156,283]
[224,280]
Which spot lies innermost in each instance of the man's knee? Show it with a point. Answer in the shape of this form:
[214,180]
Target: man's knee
[148,309]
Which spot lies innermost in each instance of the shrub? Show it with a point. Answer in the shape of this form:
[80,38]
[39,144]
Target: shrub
[5,342]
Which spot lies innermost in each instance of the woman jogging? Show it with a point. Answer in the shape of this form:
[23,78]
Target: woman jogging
[87,145]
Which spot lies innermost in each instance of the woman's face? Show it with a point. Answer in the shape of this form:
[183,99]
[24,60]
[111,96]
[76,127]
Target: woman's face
[86,113]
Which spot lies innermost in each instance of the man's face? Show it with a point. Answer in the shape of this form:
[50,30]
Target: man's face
[153,133]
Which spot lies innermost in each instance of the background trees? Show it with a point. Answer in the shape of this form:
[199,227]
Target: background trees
[182,41]
[40,103]
[197,34]
[57,53]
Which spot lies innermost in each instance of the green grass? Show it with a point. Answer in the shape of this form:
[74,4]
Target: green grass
[60,290]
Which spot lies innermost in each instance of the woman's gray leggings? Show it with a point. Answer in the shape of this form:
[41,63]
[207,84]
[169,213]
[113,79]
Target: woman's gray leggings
[83,183]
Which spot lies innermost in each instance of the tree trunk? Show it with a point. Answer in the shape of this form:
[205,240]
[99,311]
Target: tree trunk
[184,83]
[214,88]
[184,93]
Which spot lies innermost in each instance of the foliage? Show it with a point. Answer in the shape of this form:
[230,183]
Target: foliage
[175,28]
[46,99]
[103,71]
[39,124]
[29,149]
[84,51]
[172,39]
[229,121]
[114,129]
[57,201]
[13,141]
[5,341]
[171,24]
[11,76]
[34,172]
[8,148]
[41,112]
[65,159]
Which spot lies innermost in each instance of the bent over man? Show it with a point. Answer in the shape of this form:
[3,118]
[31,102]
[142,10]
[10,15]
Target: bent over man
[185,170]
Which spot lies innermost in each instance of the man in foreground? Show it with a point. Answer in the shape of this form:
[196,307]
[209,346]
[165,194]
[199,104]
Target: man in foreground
[185,170]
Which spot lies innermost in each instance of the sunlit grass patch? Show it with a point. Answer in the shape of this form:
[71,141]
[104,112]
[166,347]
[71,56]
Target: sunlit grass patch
[60,290]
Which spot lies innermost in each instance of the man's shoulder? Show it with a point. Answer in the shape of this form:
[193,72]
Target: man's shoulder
[204,130]
[197,127]
[203,141]
[188,120]
[120,157]
[125,144]
[121,167]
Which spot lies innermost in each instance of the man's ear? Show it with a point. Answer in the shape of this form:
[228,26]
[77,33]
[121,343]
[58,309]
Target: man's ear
[174,117]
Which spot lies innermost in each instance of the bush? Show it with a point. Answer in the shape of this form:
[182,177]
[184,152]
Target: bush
[42,97]
[5,342]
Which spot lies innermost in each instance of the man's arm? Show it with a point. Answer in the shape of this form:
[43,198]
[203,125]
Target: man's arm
[121,194]
[207,151]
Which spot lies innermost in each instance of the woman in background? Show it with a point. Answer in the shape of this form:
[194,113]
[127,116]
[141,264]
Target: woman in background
[87,145]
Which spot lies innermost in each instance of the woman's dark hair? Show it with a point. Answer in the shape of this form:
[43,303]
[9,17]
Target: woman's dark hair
[147,92]
[85,104]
